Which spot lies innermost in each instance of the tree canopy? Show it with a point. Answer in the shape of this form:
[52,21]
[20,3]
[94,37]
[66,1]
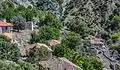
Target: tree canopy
[44,34]
[79,26]
[86,63]
[20,65]
[9,51]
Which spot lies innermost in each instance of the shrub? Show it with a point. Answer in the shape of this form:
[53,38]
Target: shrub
[9,51]
[50,20]
[116,36]
[44,34]
[72,40]
[86,63]
[20,65]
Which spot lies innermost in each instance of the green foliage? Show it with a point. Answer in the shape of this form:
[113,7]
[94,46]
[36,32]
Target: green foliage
[8,65]
[5,7]
[20,65]
[27,66]
[50,20]
[114,24]
[46,18]
[118,68]
[9,51]
[86,63]
[10,55]
[44,34]
[79,26]
[67,49]
[72,40]
[59,50]
[116,36]
[37,54]
[27,13]
[18,22]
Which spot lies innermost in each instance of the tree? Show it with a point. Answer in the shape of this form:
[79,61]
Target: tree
[8,65]
[86,63]
[72,40]
[20,65]
[37,54]
[9,51]
[44,34]
[50,20]
[79,26]
[113,25]
[18,22]
[5,7]
[116,36]
[59,50]
[28,66]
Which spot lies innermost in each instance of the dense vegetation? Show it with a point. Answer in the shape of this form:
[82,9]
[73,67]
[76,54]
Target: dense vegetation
[79,26]
[20,15]
[44,34]
[9,51]
[50,27]
[10,57]
[113,28]
[66,49]
[20,65]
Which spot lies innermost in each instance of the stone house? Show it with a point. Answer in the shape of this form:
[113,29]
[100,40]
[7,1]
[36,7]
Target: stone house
[5,29]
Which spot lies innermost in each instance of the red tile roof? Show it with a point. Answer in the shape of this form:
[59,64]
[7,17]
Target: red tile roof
[96,41]
[4,23]
[53,42]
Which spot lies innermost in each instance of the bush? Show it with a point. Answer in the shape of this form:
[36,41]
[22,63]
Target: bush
[50,20]
[9,51]
[8,65]
[37,54]
[86,63]
[44,34]
[5,7]
[27,66]
[20,65]
[79,26]
[72,40]
[18,22]
[113,25]
[116,36]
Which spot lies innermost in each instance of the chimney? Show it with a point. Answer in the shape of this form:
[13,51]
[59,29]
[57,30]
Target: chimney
[32,26]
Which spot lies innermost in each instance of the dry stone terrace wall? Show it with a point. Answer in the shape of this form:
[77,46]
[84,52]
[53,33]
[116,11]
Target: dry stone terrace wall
[59,64]
[22,37]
